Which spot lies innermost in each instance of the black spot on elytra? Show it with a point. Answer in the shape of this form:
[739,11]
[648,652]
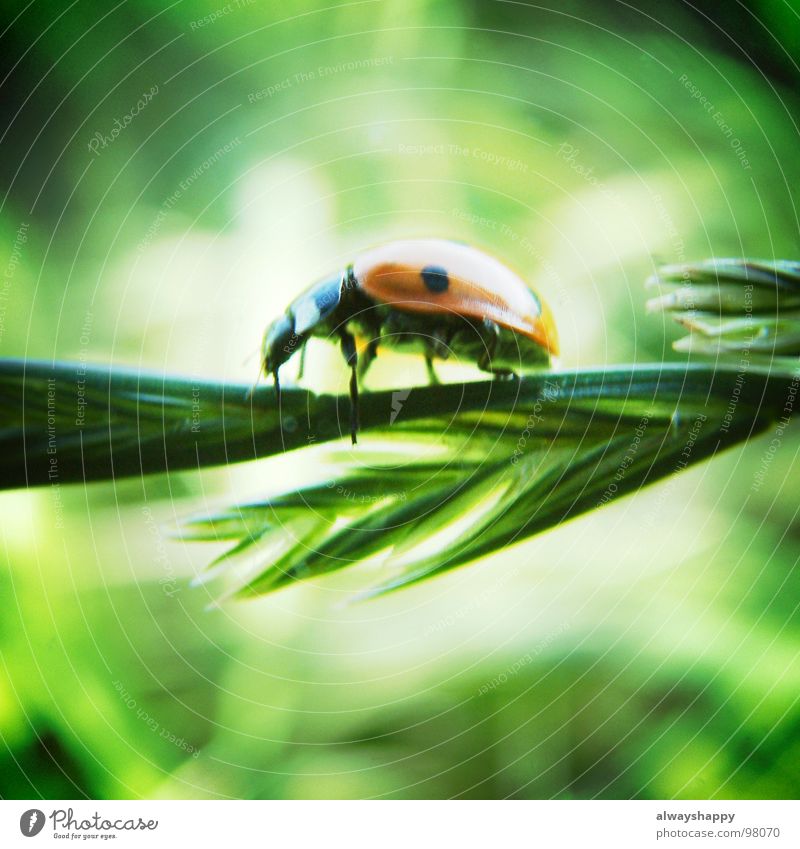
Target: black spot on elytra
[435,278]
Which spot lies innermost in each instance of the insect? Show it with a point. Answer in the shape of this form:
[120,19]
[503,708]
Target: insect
[428,296]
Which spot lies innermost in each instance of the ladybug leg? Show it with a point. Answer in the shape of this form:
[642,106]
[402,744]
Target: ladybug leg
[351,357]
[276,381]
[302,367]
[485,362]
[432,376]
[367,357]
[438,345]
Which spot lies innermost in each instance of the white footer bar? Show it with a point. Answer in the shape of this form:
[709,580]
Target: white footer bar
[404,825]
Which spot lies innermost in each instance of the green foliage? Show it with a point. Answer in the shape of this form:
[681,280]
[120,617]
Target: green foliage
[734,306]
[442,477]
[426,496]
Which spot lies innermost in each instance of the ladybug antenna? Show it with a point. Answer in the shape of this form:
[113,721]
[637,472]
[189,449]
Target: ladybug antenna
[252,389]
[249,358]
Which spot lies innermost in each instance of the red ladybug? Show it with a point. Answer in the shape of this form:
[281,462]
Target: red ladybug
[427,296]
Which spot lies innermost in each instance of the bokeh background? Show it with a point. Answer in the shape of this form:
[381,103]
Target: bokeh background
[173,174]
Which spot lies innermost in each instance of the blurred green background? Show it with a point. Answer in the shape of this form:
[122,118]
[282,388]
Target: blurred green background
[173,175]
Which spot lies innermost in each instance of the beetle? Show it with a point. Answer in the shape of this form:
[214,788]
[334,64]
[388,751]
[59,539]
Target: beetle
[429,296]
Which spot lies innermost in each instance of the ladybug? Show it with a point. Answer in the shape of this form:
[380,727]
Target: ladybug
[428,296]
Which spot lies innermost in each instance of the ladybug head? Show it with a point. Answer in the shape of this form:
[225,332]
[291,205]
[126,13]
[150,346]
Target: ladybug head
[280,342]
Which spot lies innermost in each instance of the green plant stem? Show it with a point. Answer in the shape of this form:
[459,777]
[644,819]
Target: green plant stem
[66,422]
